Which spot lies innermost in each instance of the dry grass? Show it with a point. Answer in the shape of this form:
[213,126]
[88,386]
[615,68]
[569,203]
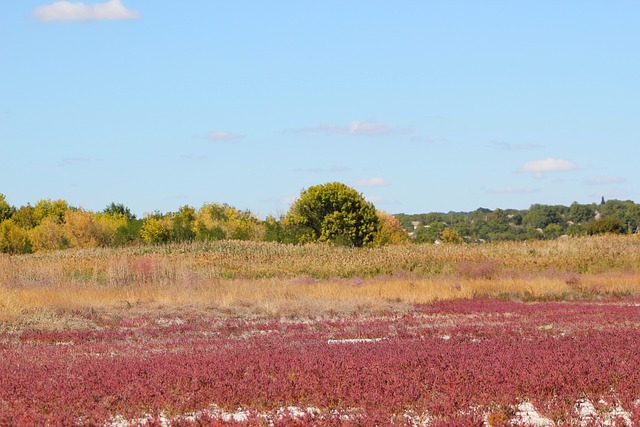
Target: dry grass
[261,279]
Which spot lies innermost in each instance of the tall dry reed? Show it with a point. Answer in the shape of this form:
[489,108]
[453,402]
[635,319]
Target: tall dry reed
[243,278]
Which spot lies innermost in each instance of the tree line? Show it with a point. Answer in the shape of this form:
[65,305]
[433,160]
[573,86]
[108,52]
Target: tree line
[331,213]
[538,222]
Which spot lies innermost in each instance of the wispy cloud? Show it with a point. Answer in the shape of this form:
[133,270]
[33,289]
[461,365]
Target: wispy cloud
[512,190]
[539,167]
[356,127]
[603,180]
[61,10]
[514,147]
[222,136]
[376,181]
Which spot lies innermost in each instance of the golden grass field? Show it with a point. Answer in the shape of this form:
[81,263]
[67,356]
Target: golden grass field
[234,278]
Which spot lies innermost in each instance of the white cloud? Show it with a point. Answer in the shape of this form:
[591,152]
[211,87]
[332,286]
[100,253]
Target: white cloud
[61,10]
[356,127]
[370,128]
[603,180]
[376,181]
[221,136]
[539,167]
[511,190]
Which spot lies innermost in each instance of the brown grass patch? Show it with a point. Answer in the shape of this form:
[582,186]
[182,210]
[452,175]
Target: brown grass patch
[260,279]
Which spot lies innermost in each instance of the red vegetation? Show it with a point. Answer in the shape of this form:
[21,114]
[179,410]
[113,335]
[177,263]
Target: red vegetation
[450,362]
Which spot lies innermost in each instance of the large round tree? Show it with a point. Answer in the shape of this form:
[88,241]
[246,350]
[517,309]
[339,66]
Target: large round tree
[333,213]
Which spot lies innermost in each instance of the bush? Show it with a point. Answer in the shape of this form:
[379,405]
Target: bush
[333,213]
[6,210]
[605,225]
[13,239]
[390,231]
[220,221]
[48,235]
[450,235]
[156,230]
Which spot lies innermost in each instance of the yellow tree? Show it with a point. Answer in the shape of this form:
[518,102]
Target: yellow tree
[156,230]
[333,213]
[13,238]
[390,231]
[48,235]
[450,235]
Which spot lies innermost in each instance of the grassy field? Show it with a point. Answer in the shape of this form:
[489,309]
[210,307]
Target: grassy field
[234,278]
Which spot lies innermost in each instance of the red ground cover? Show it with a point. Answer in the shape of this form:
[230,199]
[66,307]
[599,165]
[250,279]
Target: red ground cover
[460,362]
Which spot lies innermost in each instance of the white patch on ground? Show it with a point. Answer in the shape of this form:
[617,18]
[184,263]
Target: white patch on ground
[169,322]
[297,412]
[354,340]
[586,411]
[611,417]
[526,414]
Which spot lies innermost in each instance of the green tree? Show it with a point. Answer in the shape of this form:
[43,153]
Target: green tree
[25,217]
[581,214]
[118,209]
[539,216]
[429,233]
[333,213]
[126,234]
[6,210]
[626,211]
[605,225]
[553,231]
[274,230]
[183,224]
[127,225]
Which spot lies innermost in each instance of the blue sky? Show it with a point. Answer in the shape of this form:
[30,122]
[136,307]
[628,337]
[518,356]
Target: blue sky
[420,105]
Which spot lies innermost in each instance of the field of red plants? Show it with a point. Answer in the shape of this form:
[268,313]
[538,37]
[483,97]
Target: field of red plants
[465,362]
